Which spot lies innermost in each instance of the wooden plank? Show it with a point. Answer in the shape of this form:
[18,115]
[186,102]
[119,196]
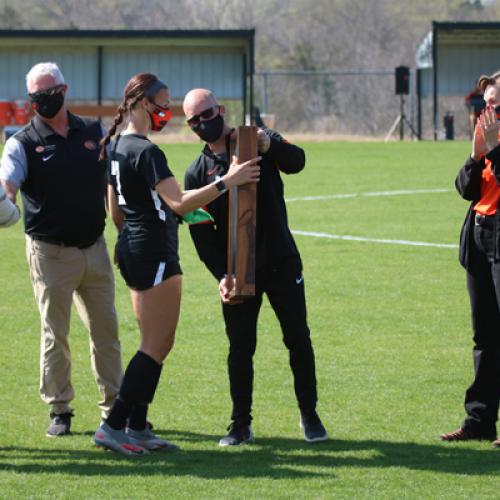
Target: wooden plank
[242,221]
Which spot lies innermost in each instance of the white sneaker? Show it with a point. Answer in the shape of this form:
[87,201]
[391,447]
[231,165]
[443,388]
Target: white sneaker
[116,440]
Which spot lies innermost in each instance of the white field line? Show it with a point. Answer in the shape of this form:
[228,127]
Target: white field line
[373,193]
[374,240]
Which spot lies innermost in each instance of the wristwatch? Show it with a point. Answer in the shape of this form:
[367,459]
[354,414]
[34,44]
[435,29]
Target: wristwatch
[220,185]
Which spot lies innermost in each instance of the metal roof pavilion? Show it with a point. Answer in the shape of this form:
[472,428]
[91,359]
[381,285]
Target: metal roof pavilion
[98,63]
[453,56]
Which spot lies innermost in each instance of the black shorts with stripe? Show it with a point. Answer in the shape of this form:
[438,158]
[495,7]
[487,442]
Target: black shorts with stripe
[144,265]
[143,275]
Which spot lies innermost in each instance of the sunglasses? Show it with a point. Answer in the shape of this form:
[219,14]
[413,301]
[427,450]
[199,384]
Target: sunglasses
[207,114]
[47,92]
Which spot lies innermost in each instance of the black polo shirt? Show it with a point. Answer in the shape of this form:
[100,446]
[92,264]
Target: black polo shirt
[63,190]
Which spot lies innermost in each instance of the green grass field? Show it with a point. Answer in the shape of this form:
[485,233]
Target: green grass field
[391,331]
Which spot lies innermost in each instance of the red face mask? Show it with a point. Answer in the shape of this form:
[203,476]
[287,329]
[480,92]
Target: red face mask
[159,117]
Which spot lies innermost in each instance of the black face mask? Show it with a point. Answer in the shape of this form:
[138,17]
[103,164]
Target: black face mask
[210,130]
[48,105]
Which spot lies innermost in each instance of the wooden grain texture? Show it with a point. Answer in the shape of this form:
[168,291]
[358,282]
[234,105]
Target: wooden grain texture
[242,221]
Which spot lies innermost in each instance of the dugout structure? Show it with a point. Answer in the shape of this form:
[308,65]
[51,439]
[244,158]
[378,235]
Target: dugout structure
[97,64]
[451,58]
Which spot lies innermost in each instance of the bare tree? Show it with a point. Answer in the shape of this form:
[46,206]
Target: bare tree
[324,35]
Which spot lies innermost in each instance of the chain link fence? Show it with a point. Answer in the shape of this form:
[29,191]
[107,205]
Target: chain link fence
[356,103]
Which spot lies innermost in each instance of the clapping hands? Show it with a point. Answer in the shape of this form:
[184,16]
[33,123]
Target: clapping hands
[485,133]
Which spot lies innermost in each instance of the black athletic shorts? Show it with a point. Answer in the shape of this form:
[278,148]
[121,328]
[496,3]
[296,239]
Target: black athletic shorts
[144,265]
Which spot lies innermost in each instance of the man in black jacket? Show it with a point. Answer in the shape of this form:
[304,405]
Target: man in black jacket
[278,264]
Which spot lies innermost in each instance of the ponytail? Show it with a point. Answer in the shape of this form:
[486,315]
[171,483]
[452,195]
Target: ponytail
[134,91]
[112,131]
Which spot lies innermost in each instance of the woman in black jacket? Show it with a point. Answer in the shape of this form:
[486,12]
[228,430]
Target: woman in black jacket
[478,181]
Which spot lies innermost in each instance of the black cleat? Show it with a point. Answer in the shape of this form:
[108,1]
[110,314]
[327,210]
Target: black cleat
[238,434]
[314,431]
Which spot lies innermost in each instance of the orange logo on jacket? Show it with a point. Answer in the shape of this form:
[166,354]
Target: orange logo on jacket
[90,145]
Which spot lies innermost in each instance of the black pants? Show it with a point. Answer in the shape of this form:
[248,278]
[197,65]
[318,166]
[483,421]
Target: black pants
[284,285]
[483,283]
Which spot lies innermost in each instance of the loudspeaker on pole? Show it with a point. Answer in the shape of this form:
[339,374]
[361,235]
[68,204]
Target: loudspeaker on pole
[402,74]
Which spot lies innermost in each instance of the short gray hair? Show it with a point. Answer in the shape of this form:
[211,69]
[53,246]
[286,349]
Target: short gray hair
[43,69]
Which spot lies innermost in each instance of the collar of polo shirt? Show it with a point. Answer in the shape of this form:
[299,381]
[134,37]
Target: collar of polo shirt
[45,131]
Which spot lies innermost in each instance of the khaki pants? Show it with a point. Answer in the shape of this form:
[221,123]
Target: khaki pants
[60,275]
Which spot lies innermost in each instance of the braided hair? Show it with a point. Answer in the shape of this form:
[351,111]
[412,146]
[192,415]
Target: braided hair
[133,92]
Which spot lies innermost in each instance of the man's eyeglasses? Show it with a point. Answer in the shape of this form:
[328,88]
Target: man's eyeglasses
[207,114]
[47,92]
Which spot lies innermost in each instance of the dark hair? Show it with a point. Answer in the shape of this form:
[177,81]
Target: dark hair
[485,80]
[134,91]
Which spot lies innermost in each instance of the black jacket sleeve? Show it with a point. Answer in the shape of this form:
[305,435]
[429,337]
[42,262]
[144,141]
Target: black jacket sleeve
[204,235]
[468,181]
[289,158]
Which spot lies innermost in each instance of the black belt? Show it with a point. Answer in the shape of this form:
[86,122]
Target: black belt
[46,239]
[484,220]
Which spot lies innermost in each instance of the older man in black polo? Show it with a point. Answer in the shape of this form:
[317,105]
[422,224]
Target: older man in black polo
[53,161]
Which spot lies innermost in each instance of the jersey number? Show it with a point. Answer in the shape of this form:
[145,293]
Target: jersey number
[115,170]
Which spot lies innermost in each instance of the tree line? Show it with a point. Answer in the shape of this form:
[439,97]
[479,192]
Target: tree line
[325,35]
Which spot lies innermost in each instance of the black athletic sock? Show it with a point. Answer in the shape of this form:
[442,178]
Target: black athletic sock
[140,380]
[119,414]
[138,416]
[138,388]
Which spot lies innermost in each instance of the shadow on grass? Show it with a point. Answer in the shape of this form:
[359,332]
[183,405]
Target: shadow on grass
[268,457]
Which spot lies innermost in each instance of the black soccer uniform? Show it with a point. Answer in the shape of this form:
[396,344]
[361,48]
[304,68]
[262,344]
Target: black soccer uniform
[278,273]
[148,243]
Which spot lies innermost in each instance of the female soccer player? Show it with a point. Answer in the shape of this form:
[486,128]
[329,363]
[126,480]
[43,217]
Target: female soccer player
[143,196]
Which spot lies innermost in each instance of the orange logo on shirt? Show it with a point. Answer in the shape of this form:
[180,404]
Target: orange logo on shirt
[90,145]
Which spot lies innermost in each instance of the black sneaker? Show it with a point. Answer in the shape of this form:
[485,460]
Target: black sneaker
[238,434]
[314,430]
[60,425]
